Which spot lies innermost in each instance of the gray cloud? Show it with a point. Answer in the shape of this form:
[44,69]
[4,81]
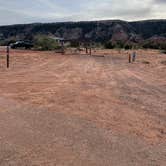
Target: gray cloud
[123,13]
[16,11]
[160,1]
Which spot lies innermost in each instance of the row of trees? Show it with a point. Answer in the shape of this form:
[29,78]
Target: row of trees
[144,44]
[111,45]
[44,42]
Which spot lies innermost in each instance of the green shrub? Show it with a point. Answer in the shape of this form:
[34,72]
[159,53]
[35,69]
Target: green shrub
[154,45]
[109,45]
[163,51]
[6,42]
[119,44]
[163,46]
[127,47]
[74,44]
[45,43]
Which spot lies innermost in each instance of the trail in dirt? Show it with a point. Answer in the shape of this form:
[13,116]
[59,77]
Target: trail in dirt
[141,105]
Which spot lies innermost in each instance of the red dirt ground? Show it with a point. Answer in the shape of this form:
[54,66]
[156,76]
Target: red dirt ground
[80,110]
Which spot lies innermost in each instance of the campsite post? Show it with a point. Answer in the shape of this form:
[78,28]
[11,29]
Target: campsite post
[7,55]
[129,58]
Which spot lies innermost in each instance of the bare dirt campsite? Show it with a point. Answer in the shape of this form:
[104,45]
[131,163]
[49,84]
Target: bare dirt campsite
[81,110]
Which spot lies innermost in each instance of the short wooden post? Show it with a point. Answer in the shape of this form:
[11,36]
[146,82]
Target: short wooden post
[86,49]
[129,58]
[7,56]
[90,50]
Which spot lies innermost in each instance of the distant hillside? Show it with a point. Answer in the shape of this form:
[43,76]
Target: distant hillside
[150,28]
[97,31]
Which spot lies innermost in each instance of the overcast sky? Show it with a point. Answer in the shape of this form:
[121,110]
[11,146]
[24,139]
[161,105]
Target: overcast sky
[28,11]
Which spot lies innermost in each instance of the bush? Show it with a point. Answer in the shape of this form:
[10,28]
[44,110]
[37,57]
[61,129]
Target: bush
[74,44]
[163,46]
[7,42]
[128,47]
[163,51]
[154,45]
[109,45]
[119,44]
[45,43]
[150,45]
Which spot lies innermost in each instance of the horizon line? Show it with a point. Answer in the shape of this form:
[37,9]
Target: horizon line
[56,22]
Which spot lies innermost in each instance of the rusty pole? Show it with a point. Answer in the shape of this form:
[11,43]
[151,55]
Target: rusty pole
[7,56]
[129,58]
[86,49]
